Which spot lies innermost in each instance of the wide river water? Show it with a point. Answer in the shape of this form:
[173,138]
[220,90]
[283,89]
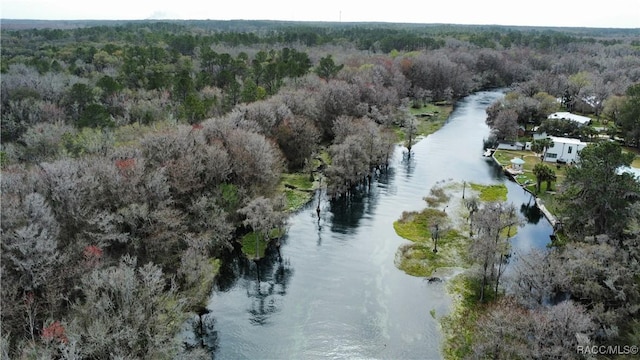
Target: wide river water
[337,293]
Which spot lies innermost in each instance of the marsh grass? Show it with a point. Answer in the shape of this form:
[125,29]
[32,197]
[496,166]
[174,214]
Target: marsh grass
[297,189]
[488,193]
[415,225]
[459,326]
[437,196]
[419,259]
[438,115]
[249,242]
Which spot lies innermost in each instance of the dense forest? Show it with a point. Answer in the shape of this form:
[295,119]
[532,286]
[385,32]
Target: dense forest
[135,154]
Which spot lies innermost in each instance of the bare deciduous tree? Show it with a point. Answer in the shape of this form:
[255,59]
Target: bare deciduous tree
[298,138]
[31,249]
[410,125]
[127,311]
[337,98]
[535,279]
[500,333]
[491,247]
[263,216]
[256,162]
[505,125]
[510,331]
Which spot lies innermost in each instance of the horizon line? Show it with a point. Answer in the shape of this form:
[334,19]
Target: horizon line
[323,21]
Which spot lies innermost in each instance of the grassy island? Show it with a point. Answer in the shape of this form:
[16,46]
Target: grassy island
[447,210]
[448,205]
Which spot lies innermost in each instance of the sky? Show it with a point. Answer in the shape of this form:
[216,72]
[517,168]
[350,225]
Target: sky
[565,13]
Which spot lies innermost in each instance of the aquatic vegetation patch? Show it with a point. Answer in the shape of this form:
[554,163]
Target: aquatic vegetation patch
[446,209]
[497,192]
[296,199]
[431,118]
[437,239]
[458,326]
[250,239]
[414,225]
[437,196]
[420,259]
[297,189]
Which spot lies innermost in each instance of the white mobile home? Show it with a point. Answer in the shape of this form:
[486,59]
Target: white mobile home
[564,150]
[581,120]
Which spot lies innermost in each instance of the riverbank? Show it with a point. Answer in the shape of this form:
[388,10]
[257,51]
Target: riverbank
[545,199]
[298,187]
[430,118]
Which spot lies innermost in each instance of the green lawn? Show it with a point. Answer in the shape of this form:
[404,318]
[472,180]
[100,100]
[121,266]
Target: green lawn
[636,161]
[548,199]
[504,157]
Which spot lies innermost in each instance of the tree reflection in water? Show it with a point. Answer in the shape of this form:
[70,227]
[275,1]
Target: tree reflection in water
[265,281]
[347,211]
[268,288]
[531,212]
[208,334]
[408,163]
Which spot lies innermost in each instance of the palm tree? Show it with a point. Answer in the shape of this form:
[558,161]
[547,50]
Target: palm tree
[541,146]
[588,132]
[542,173]
[551,177]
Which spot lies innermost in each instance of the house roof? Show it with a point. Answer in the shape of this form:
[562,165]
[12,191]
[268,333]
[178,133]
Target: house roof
[563,115]
[564,140]
[517,161]
[631,170]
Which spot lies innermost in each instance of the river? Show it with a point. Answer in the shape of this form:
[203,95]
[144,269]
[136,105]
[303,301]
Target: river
[337,293]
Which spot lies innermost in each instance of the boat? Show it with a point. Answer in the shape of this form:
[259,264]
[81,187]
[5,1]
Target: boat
[488,152]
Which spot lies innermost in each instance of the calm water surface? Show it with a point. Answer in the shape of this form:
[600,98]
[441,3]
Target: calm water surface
[337,293]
